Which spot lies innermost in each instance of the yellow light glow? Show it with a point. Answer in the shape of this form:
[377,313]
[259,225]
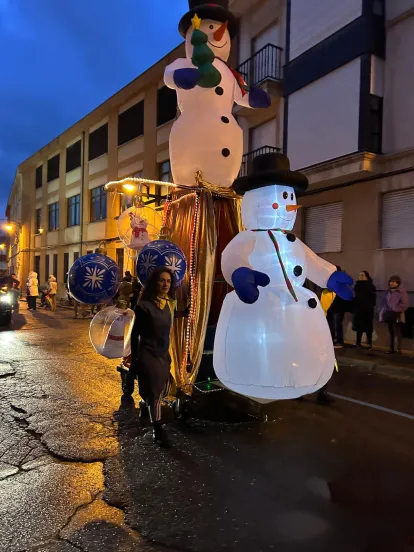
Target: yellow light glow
[8,227]
[129,187]
[2,245]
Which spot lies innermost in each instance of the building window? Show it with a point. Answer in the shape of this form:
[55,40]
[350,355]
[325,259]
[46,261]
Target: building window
[38,220]
[98,204]
[55,265]
[53,168]
[376,111]
[398,220]
[47,266]
[166,105]
[98,142]
[73,156]
[165,171]
[74,210]
[39,176]
[75,256]
[37,266]
[323,228]
[120,259]
[65,266]
[164,174]
[53,217]
[131,123]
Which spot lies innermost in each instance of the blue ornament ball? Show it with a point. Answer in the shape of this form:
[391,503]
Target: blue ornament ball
[94,279]
[161,253]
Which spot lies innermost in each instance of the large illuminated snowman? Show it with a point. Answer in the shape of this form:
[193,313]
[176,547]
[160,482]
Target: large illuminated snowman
[274,344]
[206,136]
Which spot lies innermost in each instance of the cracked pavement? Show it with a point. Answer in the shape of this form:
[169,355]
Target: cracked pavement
[78,472]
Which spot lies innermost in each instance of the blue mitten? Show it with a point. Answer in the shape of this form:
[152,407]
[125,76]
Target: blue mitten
[258,98]
[186,78]
[340,283]
[246,281]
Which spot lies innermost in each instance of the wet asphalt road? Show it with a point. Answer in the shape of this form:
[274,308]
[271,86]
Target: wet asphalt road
[77,472]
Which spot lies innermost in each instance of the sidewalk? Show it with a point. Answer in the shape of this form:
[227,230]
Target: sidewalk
[376,360]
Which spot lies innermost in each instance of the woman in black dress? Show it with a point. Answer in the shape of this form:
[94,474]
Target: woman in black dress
[364,306]
[150,343]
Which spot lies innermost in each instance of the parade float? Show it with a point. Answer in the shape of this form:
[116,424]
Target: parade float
[271,343]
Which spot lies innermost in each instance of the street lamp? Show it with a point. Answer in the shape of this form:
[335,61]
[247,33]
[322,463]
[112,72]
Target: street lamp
[9,227]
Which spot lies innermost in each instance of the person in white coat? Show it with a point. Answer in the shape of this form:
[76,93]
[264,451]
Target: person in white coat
[32,290]
[52,288]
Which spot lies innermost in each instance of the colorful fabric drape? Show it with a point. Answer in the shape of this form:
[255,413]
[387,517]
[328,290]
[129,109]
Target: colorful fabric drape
[196,221]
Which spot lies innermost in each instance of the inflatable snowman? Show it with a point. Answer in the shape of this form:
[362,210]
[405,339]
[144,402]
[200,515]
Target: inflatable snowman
[139,237]
[206,136]
[274,344]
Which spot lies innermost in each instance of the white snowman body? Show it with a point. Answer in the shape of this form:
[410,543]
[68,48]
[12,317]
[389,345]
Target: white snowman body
[278,347]
[206,137]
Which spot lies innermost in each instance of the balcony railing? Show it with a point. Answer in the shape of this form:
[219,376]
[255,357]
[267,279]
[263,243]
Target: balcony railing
[263,65]
[246,166]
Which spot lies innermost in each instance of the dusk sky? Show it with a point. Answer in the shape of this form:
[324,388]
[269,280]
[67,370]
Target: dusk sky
[60,59]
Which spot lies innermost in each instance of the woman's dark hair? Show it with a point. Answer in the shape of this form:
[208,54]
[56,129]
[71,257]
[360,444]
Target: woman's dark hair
[367,274]
[150,288]
[395,279]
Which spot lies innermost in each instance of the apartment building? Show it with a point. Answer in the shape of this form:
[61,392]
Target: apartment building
[340,77]
[58,207]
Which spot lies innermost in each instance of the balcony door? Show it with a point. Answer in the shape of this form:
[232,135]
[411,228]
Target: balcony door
[271,35]
[266,60]
[263,135]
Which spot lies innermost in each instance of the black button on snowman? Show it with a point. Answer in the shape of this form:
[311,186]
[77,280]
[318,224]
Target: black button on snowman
[272,340]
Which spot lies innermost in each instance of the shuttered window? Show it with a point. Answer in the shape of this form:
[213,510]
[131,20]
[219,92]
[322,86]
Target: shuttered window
[263,135]
[398,219]
[323,228]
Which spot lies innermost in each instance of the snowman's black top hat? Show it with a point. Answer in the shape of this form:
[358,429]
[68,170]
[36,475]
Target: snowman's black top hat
[217,10]
[270,169]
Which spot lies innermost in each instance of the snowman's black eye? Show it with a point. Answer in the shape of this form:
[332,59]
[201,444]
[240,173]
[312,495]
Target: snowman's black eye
[211,27]
[285,195]
[291,197]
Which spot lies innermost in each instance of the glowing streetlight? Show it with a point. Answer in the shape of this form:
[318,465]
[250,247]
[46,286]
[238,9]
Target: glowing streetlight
[2,246]
[8,227]
[41,230]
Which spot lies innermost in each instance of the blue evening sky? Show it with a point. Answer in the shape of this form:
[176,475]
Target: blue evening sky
[59,59]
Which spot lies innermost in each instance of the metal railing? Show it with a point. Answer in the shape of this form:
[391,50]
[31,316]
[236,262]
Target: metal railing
[247,161]
[263,65]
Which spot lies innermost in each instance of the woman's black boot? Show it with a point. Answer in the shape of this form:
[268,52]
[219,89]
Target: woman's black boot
[159,435]
[144,416]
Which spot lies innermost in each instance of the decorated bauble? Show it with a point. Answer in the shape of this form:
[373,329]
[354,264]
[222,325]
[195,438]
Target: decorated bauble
[110,332]
[161,253]
[94,279]
[138,226]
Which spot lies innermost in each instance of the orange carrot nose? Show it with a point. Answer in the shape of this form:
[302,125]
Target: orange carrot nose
[292,208]
[218,35]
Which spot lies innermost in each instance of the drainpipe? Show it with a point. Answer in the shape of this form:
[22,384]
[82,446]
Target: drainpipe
[82,193]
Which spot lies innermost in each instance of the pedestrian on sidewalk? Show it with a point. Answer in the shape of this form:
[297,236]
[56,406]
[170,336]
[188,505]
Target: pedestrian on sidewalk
[52,288]
[150,343]
[335,317]
[32,285]
[125,290]
[364,308]
[14,286]
[393,307]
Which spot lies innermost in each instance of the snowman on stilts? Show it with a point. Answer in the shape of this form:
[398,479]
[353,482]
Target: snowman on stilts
[274,343]
[206,136]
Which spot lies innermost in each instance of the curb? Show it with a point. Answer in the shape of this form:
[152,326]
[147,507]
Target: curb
[374,366]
